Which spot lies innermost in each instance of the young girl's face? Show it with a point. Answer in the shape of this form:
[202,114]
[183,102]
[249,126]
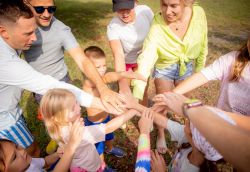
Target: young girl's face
[75,112]
[16,158]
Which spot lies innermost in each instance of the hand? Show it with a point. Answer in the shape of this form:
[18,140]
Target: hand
[135,112]
[60,151]
[133,75]
[160,99]
[146,122]
[157,162]
[174,102]
[111,99]
[131,102]
[160,109]
[75,134]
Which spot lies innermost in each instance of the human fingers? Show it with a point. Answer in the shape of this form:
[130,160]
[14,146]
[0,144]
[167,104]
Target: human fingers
[151,115]
[158,97]
[158,108]
[112,108]
[157,155]
[153,157]
[160,104]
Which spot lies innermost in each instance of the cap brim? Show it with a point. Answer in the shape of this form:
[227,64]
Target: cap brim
[123,5]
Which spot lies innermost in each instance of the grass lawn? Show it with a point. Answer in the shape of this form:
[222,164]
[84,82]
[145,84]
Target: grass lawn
[228,24]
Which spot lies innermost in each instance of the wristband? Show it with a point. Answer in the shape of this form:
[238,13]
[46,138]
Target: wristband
[190,104]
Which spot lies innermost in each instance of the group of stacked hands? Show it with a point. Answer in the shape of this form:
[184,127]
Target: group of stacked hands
[169,43]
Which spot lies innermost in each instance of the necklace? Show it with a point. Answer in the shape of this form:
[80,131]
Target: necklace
[177,27]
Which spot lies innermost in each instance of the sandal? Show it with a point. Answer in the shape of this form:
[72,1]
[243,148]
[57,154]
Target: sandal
[116,152]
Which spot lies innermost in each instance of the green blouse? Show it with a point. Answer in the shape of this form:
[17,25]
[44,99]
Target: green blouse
[162,48]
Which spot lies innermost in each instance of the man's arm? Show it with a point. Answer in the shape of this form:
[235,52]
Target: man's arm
[119,58]
[84,63]
[22,75]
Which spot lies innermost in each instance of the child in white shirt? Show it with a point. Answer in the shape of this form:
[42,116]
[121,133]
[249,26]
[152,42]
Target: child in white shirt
[59,108]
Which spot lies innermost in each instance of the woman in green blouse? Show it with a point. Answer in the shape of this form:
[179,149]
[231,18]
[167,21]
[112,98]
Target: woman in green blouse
[175,46]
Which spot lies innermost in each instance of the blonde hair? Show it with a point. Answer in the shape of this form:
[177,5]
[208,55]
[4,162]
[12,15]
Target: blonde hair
[188,2]
[54,107]
[240,63]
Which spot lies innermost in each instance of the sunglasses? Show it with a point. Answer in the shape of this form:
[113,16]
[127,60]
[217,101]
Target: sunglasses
[41,9]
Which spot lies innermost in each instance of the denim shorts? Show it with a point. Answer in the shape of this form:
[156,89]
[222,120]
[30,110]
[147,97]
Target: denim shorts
[172,72]
[100,147]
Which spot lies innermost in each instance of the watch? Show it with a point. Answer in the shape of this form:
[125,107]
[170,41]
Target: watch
[190,103]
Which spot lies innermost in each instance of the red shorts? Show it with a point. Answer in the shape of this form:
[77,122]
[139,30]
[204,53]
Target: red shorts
[131,67]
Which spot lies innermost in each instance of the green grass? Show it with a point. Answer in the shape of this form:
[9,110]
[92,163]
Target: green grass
[228,25]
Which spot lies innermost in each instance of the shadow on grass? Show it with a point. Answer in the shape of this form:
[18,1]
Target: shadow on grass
[82,17]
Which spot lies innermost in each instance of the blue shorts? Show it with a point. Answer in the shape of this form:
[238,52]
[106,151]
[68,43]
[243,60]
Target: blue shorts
[101,145]
[172,72]
[18,133]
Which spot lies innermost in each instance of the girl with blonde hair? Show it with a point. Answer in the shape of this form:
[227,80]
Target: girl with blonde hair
[60,108]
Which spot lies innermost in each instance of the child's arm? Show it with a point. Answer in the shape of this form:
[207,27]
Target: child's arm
[143,154]
[110,77]
[51,159]
[119,121]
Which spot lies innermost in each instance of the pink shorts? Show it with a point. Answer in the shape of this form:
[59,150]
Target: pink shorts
[131,67]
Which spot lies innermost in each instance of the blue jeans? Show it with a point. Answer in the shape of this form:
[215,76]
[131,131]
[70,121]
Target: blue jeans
[172,72]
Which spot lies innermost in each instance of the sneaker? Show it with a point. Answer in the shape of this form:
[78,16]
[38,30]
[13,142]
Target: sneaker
[51,147]
[116,152]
